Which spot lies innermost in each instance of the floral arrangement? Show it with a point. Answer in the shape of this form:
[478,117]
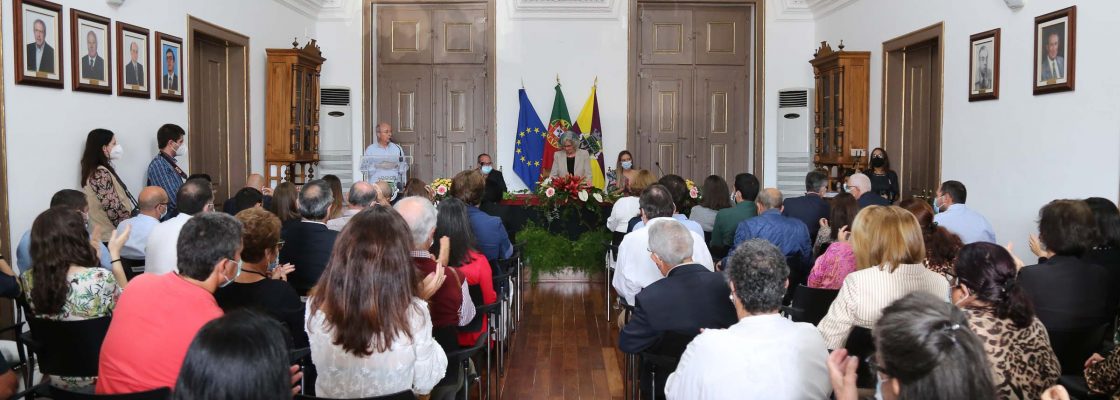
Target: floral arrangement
[693,190]
[441,187]
[567,189]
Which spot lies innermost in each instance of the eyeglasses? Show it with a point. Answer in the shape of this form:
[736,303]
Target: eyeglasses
[873,367]
[280,244]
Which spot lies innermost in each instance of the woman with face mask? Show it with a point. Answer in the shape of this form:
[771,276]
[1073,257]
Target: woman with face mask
[884,181]
[624,172]
[109,200]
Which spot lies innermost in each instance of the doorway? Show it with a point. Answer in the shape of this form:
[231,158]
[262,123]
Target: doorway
[912,95]
[219,105]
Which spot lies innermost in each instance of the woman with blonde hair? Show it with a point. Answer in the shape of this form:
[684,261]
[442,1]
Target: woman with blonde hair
[890,254]
[627,206]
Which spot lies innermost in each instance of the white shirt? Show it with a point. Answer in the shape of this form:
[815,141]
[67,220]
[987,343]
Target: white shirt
[621,212]
[690,224]
[161,250]
[39,55]
[385,163]
[338,223]
[416,364]
[966,223]
[634,270]
[760,357]
[137,242]
[866,292]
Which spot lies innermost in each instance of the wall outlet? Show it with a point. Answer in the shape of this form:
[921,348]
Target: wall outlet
[859,152]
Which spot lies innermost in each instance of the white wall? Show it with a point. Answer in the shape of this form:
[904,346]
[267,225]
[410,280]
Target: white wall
[789,46]
[340,38]
[46,128]
[1021,151]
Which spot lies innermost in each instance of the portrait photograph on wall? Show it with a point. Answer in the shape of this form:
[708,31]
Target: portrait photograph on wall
[132,61]
[38,31]
[90,46]
[169,62]
[983,65]
[1055,45]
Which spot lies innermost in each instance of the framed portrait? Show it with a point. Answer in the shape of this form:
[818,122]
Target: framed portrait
[983,66]
[90,46]
[38,48]
[1055,51]
[169,85]
[132,61]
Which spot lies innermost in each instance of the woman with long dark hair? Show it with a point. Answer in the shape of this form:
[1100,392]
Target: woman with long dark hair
[941,245]
[624,172]
[1023,364]
[285,203]
[453,222]
[241,356]
[1106,252]
[841,212]
[884,180]
[109,200]
[67,283]
[336,191]
[370,334]
[714,197]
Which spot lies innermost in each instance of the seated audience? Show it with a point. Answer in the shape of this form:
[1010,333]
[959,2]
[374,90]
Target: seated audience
[926,351]
[307,245]
[714,197]
[153,205]
[244,199]
[255,182]
[626,207]
[789,234]
[670,312]
[285,204]
[491,234]
[336,195]
[1023,364]
[635,269]
[417,187]
[261,285]
[250,350]
[811,208]
[889,257]
[195,197]
[835,258]
[157,317]
[74,200]
[370,335]
[67,284]
[840,214]
[763,355]
[453,223]
[164,170]
[941,245]
[728,219]
[1068,293]
[362,195]
[109,199]
[678,189]
[384,193]
[1102,374]
[859,185]
[1106,251]
[495,181]
[957,218]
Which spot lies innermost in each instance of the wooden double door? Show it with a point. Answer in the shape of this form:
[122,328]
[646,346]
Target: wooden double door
[912,117]
[433,84]
[693,111]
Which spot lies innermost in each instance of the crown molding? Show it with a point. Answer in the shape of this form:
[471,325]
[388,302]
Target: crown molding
[822,8]
[792,10]
[307,8]
[564,9]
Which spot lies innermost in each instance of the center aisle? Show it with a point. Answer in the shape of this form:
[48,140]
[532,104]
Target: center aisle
[564,347]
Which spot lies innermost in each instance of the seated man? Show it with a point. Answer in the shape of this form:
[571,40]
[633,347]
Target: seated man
[763,355]
[970,225]
[152,204]
[728,219]
[812,207]
[670,312]
[789,234]
[495,182]
[158,316]
[255,182]
[859,185]
[634,269]
[362,195]
[489,232]
[678,189]
[244,199]
[195,197]
[308,244]
[74,200]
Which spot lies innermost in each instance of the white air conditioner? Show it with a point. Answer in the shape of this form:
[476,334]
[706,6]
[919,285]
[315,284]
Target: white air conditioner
[795,139]
[336,135]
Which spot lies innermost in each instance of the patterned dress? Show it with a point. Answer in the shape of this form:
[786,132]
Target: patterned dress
[832,267]
[102,183]
[1023,364]
[93,294]
[1104,376]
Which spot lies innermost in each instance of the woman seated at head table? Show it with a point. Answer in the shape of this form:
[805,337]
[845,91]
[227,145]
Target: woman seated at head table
[570,159]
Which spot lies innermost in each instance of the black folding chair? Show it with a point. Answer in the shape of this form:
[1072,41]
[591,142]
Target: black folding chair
[63,394]
[811,304]
[405,395]
[462,384]
[132,267]
[1074,347]
[63,348]
[608,272]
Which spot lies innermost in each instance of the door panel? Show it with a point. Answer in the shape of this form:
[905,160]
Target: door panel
[404,36]
[458,37]
[722,36]
[721,126]
[920,159]
[460,120]
[211,151]
[405,102]
[666,36]
[664,119]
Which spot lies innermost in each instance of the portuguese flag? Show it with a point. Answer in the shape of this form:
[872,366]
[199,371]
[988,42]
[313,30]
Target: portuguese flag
[559,123]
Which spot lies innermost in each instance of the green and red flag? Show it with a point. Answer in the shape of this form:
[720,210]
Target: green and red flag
[559,123]
[592,136]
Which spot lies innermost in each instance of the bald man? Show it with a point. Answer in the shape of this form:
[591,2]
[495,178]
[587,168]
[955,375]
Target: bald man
[255,181]
[153,205]
[787,233]
[384,160]
[362,195]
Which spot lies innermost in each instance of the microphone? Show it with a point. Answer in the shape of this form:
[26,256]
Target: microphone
[658,164]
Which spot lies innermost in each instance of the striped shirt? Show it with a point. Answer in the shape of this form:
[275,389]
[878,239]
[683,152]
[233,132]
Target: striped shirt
[161,173]
[866,292]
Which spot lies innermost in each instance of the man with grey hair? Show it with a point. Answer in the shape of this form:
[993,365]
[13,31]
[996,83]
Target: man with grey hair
[789,234]
[859,185]
[308,244]
[670,312]
[570,159]
[769,356]
[362,195]
[635,269]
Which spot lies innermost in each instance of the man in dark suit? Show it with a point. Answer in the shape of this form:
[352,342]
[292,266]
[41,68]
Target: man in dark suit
[134,70]
[859,185]
[93,66]
[170,79]
[811,207]
[670,312]
[495,182]
[308,244]
[39,54]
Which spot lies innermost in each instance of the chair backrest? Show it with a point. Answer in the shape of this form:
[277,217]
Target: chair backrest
[861,344]
[68,348]
[812,303]
[155,394]
[132,267]
[1074,347]
[405,395]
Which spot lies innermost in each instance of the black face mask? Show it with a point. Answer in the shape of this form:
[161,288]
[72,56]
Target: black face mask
[877,162]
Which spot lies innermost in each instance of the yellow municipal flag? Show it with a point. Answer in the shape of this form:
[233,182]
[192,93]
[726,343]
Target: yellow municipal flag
[587,124]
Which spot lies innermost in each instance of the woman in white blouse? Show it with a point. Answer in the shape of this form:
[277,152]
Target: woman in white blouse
[370,334]
[890,251]
[627,207]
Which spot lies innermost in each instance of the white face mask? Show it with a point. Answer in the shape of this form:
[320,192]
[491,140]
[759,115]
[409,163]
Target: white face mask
[116,152]
[182,150]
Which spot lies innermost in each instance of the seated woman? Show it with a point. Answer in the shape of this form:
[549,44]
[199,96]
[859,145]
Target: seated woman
[626,207]
[370,334]
[570,159]
[262,284]
[490,233]
[284,205]
[926,351]
[835,259]
[417,187]
[941,245]
[889,255]
[714,197]
[1023,364]
[252,352]
[624,173]
[67,283]
[842,211]
[452,222]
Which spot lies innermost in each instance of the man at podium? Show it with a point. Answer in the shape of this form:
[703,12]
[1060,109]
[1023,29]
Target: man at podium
[385,160]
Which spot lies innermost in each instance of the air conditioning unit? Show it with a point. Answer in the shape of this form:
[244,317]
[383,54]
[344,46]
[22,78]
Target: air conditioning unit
[795,139]
[336,135]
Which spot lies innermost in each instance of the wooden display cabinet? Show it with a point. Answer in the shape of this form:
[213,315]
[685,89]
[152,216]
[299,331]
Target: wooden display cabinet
[841,102]
[292,113]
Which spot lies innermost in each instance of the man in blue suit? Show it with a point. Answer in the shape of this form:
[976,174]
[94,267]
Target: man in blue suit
[1054,66]
[489,233]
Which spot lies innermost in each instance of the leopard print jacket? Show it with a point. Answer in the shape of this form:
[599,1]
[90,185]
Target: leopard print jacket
[1023,364]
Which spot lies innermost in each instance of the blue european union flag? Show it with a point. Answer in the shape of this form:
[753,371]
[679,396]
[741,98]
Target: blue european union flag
[529,149]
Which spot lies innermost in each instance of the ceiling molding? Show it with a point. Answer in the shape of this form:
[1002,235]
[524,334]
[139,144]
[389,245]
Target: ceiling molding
[339,10]
[307,8]
[822,8]
[564,9]
[792,10]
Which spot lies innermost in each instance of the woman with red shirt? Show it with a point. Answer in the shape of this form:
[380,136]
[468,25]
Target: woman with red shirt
[453,222]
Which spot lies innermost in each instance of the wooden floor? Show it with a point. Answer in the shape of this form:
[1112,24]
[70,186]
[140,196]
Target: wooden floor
[564,347]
